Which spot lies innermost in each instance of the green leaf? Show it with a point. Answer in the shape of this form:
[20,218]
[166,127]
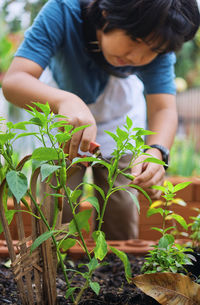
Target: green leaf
[84,159]
[169,228]
[9,214]
[36,164]
[55,195]
[45,154]
[122,134]
[159,188]
[101,249]
[173,269]
[157,229]
[82,219]
[21,135]
[141,190]
[143,132]
[70,291]
[36,121]
[130,147]
[112,135]
[154,160]
[67,243]
[102,162]
[139,142]
[181,186]
[6,137]
[63,137]
[125,261]
[134,198]
[93,264]
[99,189]
[75,195]
[17,183]
[44,107]
[47,170]
[129,122]
[60,124]
[170,186]
[94,202]
[43,237]
[95,287]
[79,128]
[20,125]
[180,220]
[165,241]
[128,176]
[153,211]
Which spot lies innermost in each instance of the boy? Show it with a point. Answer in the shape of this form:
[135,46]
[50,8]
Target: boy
[91,51]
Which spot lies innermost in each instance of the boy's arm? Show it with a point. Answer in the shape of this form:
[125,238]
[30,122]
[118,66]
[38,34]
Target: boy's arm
[22,87]
[162,119]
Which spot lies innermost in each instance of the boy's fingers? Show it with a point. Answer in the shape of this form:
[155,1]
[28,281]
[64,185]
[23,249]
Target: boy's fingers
[136,170]
[74,145]
[88,136]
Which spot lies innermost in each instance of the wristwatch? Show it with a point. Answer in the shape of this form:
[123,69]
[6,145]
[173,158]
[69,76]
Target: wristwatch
[165,153]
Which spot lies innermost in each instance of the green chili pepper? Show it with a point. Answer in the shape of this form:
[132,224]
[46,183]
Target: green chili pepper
[128,176]
[63,174]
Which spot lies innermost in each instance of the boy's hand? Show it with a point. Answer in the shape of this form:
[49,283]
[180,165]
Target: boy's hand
[78,114]
[149,174]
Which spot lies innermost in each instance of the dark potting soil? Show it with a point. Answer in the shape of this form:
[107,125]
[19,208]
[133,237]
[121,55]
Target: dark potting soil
[114,288]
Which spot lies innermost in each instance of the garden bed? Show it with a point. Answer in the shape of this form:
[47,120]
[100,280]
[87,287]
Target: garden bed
[114,288]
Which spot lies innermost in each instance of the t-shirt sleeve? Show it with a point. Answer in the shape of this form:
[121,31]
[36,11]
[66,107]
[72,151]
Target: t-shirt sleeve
[45,36]
[158,76]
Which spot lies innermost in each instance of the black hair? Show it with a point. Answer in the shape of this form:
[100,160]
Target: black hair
[169,23]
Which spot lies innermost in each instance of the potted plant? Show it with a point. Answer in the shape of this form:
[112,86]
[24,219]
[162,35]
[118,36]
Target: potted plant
[47,238]
[166,267]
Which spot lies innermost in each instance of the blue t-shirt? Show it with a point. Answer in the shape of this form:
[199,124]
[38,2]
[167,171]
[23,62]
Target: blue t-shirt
[56,39]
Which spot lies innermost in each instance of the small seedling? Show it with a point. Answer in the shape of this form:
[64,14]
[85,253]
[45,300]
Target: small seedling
[167,255]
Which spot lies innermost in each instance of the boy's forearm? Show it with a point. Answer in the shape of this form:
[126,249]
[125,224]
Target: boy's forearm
[22,89]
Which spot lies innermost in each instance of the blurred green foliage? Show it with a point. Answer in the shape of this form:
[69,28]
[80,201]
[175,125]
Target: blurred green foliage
[184,158]
[29,6]
[188,62]
[6,53]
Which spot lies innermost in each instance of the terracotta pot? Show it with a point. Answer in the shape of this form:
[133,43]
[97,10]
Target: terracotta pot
[191,195]
[4,248]
[133,246]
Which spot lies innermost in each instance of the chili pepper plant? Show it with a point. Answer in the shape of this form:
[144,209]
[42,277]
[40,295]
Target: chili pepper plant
[53,132]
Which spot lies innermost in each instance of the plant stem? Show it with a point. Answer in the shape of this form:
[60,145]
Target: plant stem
[81,293]
[164,216]
[112,181]
[77,226]
[8,160]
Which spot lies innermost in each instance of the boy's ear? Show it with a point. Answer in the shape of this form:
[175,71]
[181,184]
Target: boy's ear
[104,13]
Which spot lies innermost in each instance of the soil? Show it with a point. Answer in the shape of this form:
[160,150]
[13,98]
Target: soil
[114,288]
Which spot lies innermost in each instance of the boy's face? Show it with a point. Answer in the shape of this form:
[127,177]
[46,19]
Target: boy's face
[120,50]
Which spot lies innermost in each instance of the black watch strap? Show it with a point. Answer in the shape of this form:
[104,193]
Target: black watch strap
[165,153]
